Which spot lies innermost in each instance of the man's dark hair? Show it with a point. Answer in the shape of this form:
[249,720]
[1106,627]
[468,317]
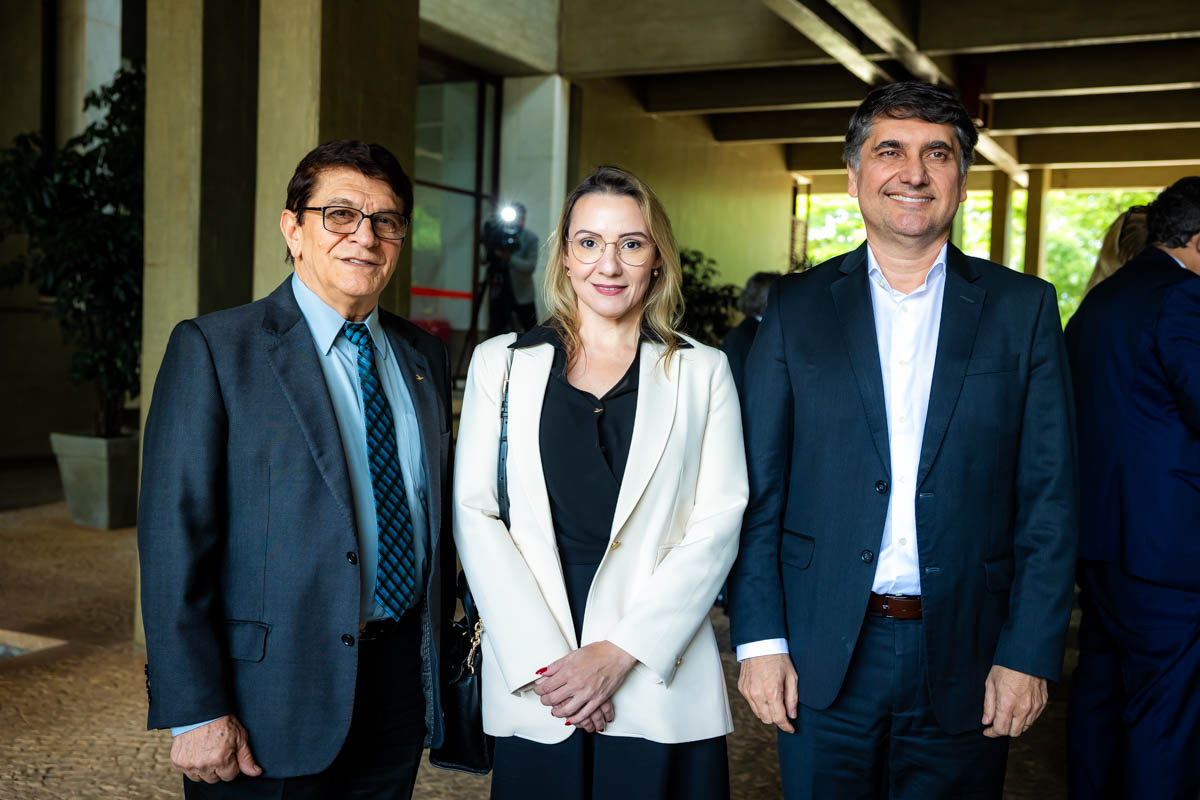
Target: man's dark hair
[372,160]
[1174,216]
[908,100]
[753,301]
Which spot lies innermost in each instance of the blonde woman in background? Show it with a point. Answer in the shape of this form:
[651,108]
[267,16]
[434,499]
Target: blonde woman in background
[1126,237]
[627,481]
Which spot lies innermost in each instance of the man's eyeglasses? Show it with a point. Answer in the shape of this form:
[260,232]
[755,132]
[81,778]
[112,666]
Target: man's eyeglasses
[633,251]
[344,220]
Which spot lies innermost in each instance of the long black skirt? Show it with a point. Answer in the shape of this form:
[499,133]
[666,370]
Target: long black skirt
[590,766]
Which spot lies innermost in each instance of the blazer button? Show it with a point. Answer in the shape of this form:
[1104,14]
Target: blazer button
[347,640]
[352,557]
[867,556]
[881,487]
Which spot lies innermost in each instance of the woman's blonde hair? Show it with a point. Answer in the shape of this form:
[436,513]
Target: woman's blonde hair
[1126,238]
[662,305]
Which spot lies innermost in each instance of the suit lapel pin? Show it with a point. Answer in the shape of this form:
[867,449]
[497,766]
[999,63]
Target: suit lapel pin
[420,377]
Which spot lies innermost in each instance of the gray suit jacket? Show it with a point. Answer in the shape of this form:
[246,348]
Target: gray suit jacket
[246,527]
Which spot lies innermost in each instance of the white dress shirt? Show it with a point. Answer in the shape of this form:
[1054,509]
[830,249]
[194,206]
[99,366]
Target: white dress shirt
[906,332]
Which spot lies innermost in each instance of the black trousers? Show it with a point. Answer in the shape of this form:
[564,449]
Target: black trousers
[1133,726]
[590,766]
[382,751]
[879,738]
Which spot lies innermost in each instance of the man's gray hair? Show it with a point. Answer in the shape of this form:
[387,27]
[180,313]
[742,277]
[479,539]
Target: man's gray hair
[909,100]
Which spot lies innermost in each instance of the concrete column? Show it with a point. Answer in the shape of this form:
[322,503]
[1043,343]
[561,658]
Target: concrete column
[89,54]
[201,63]
[330,70]
[1002,189]
[1035,222]
[533,152]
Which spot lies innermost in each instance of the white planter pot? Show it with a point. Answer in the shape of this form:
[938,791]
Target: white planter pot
[99,478]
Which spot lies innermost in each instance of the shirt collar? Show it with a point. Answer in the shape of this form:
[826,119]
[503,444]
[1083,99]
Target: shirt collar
[876,274]
[1176,260]
[326,324]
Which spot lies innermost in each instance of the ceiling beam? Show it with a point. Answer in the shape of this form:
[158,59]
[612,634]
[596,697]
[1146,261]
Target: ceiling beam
[814,22]
[951,26]
[1097,113]
[770,89]
[1141,67]
[1110,149]
[823,125]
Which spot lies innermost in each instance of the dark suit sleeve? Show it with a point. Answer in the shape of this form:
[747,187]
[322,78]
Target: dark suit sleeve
[181,530]
[1177,337]
[755,584]
[1045,533]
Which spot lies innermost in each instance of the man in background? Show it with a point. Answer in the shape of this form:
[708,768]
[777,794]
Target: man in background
[512,253]
[1134,346]
[752,304]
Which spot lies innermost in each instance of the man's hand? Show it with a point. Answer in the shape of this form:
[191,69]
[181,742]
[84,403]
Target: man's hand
[218,751]
[769,685]
[578,686]
[1011,701]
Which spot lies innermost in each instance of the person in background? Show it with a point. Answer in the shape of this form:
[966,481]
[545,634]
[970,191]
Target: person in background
[512,254]
[627,480]
[1126,237]
[1134,345]
[737,342]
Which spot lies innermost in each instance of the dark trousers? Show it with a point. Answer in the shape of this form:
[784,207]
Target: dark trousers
[879,738]
[382,751]
[1133,725]
[590,766]
[502,305]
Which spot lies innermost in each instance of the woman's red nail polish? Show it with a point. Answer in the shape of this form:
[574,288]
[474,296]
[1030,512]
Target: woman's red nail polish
[567,723]
[540,671]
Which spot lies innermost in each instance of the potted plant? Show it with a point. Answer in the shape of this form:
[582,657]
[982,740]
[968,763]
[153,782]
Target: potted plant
[709,307]
[80,209]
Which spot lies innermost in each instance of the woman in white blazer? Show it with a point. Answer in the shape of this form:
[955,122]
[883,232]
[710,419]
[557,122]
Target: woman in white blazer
[626,481]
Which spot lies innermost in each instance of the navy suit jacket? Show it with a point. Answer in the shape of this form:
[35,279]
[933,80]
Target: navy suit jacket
[737,347]
[246,529]
[1134,346]
[996,505]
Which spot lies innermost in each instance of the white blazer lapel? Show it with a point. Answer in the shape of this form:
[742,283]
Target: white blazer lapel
[656,399]
[526,391]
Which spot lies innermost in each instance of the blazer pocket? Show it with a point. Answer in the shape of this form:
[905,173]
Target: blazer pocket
[246,641]
[796,549]
[988,364]
[999,573]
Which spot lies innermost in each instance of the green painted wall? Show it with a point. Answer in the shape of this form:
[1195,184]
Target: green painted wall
[731,201]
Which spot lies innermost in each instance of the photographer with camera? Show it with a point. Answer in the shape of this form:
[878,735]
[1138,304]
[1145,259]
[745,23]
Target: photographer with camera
[511,253]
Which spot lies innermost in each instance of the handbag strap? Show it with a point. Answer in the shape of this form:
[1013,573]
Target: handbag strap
[502,453]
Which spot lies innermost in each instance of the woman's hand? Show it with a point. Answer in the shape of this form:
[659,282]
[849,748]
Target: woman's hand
[579,685]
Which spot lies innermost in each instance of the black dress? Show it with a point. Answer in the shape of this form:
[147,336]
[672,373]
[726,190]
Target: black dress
[584,444]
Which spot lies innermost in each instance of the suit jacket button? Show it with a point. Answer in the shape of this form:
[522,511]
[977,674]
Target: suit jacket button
[347,640]
[867,556]
[881,487]
[352,557]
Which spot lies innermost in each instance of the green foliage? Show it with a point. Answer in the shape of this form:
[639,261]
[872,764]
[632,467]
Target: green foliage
[708,309]
[80,209]
[1075,226]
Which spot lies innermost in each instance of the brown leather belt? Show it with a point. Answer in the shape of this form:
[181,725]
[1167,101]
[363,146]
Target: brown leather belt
[895,606]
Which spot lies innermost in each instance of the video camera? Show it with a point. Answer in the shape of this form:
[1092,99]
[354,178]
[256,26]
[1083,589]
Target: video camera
[502,232]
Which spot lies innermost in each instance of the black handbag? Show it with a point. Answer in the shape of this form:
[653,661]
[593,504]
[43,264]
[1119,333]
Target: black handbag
[466,747]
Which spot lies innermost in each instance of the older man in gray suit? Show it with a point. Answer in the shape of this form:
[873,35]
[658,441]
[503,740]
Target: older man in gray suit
[291,513]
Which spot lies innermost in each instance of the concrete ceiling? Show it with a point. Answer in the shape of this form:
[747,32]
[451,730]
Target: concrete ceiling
[1069,84]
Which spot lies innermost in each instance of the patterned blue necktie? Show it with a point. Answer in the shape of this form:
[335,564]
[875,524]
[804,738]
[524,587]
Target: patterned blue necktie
[396,580]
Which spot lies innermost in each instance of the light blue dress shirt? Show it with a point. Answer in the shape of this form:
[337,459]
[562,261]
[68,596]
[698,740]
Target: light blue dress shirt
[339,364]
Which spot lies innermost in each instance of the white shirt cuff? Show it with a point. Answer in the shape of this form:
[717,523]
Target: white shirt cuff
[186,728]
[765,647]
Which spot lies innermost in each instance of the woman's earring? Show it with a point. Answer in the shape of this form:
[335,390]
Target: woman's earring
[654,273]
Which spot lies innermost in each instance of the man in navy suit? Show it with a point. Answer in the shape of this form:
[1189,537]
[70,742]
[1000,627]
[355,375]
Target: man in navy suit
[292,506]
[903,588]
[1134,346]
